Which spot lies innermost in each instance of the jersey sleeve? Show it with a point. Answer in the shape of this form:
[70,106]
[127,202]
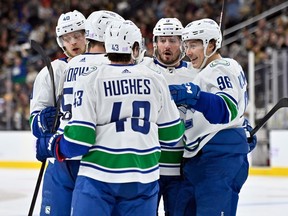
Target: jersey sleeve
[79,133]
[221,99]
[171,128]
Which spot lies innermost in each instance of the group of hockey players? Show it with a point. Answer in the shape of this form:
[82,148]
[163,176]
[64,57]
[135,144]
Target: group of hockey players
[133,129]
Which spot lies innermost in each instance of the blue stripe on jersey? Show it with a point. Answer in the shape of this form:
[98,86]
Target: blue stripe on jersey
[168,147]
[126,149]
[192,146]
[170,143]
[170,165]
[213,107]
[169,123]
[82,123]
[70,149]
[95,166]
[65,59]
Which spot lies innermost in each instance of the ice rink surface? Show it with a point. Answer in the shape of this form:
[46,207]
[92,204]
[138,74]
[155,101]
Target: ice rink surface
[261,195]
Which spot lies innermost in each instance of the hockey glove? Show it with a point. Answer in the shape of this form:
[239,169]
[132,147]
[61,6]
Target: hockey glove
[252,141]
[185,94]
[46,119]
[47,146]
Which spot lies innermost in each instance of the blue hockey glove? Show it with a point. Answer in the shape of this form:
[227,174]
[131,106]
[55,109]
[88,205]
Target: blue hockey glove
[47,146]
[185,94]
[252,141]
[46,119]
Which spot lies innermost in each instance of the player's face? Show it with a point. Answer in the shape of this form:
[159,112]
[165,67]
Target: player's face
[74,43]
[195,51]
[168,49]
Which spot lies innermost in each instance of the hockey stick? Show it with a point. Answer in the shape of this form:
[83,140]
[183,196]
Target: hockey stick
[283,102]
[47,61]
[37,47]
[222,16]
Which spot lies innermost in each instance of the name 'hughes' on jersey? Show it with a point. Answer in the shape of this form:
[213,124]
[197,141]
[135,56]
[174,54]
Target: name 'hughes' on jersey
[126,86]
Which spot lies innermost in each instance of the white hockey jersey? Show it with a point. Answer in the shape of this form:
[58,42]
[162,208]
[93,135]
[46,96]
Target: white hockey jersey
[224,77]
[42,95]
[171,156]
[121,115]
[75,67]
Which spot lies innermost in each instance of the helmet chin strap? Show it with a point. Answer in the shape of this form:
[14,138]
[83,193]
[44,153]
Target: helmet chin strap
[206,58]
[139,58]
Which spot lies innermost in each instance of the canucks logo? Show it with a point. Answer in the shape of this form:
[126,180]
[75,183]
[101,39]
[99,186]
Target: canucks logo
[219,62]
[47,210]
[90,70]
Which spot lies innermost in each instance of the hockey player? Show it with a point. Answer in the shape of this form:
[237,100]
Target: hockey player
[216,165]
[95,27]
[70,31]
[168,57]
[96,24]
[121,114]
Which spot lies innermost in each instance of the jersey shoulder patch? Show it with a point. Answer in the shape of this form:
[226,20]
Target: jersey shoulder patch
[217,62]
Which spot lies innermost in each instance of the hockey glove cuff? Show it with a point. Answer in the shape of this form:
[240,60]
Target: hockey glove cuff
[252,140]
[48,146]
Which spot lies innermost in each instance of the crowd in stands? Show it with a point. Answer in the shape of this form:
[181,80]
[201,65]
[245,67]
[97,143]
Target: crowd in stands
[21,21]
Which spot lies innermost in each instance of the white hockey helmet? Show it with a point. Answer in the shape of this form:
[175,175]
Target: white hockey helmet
[69,22]
[167,27]
[205,30]
[120,37]
[97,22]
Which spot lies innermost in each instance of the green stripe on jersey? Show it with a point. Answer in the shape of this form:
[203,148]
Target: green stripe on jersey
[31,119]
[171,133]
[80,133]
[120,161]
[171,157]
[231,106]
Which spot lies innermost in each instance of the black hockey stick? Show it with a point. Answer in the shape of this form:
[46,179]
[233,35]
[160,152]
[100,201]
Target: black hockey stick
[222,17]
[37,47]
[283,102]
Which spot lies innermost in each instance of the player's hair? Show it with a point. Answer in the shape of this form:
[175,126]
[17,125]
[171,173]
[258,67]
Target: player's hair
[119,57]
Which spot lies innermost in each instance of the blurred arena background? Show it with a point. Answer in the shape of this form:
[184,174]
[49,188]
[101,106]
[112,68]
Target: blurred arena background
[255,34]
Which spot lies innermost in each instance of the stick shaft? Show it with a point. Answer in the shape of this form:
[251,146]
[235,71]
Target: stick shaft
[283,102]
